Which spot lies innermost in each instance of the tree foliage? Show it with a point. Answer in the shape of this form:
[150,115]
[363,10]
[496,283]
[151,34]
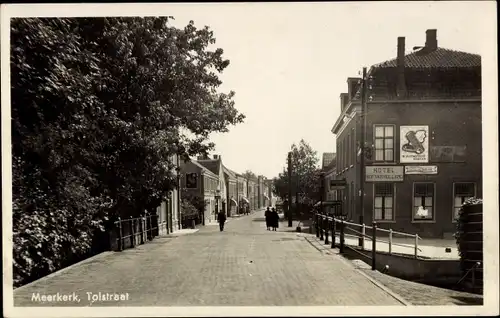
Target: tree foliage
[305,175]
[249,175]
[99,106]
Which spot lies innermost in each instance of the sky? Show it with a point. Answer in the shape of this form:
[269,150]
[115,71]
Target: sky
[289,62]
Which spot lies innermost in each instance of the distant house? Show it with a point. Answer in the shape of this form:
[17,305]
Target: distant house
[328,157]
[242,190]
[200,181]
[216,167]
[232,194]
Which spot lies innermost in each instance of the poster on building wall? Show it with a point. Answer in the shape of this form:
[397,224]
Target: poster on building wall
[191,180]
[414,144]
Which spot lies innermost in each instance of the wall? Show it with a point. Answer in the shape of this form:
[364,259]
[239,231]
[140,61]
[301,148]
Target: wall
[347,164]
[453,124]
[423,270]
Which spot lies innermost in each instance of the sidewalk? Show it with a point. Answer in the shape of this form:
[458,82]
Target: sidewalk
[415,293]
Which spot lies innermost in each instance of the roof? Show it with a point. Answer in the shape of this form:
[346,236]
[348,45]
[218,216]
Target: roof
[328,157]
[203,168]
[211,164]
[439,58]
[229,172]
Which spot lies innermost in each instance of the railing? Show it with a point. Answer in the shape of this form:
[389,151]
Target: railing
[325,224]
[135,231]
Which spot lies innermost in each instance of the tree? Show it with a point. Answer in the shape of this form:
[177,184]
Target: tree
[249,175]
[305,175]
[99,109]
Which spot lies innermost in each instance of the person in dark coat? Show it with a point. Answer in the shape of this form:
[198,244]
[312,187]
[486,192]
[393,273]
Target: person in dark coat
[275,219]
[221,217]
[268,218]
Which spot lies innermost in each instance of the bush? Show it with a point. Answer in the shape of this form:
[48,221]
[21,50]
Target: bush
[462,221]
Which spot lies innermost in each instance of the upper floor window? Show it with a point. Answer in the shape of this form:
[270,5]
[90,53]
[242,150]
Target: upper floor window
[384,143]
[461,192]
[423,201]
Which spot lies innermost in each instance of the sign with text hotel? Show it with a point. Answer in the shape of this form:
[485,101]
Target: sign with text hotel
[384,173]
[414,144]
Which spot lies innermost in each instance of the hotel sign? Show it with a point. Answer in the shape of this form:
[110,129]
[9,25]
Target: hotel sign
[384,174]
[421,169]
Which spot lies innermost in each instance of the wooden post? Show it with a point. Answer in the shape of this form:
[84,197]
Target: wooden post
[390,241]
[363,233]
[326,231]
[416,245]
[321,229]
[333,233]
[141,228]
[374,245]
[120,235]
[341,237]
[317,224]
[132,234]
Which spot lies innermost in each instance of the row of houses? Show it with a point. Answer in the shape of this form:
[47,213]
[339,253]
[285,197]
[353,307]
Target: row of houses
[423,141]
[223,189]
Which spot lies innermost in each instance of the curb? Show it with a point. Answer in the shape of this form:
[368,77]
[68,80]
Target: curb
[372,280]
[62,270]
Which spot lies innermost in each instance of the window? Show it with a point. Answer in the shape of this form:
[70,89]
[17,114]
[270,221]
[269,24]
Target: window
[348,141]
[461,192]
[383,202]
[384,143]
[353,147]
[423,201]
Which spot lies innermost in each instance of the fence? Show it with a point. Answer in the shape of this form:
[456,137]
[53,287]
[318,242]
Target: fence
[131,232]
[325,224]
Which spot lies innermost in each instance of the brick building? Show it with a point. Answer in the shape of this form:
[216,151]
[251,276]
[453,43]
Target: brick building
[199,181]
[232,194]
[423,145]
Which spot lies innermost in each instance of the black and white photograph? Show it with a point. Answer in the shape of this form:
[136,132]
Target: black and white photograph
[250,159]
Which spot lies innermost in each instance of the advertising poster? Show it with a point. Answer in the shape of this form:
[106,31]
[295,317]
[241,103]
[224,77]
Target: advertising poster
[414,144]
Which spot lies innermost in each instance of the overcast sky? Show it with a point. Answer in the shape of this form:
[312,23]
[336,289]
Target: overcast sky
[290,61]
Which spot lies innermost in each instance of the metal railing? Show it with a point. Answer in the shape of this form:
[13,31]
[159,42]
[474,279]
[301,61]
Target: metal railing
[325,224]
[136,231]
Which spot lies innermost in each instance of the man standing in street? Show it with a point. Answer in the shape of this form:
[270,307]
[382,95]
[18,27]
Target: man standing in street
[221,217]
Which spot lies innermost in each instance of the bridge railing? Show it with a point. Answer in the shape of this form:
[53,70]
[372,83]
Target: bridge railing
[326,224]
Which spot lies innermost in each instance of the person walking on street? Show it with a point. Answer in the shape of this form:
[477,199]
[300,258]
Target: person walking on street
[221,217]
[268,218]
[275,219]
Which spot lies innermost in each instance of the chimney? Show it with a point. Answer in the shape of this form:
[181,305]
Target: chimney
[401,82]
[431,43]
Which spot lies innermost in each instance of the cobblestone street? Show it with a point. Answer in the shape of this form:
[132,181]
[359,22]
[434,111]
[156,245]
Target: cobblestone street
[245,265]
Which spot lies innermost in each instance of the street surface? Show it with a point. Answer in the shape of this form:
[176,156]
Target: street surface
[245,265]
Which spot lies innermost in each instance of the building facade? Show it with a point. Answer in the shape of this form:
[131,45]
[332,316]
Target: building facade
[169,211]
[423,140]
[242,190]
[199,181]
[232,194]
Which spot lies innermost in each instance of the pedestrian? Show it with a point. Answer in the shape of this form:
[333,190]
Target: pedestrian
[268,218]
[221,217]
[275,219]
